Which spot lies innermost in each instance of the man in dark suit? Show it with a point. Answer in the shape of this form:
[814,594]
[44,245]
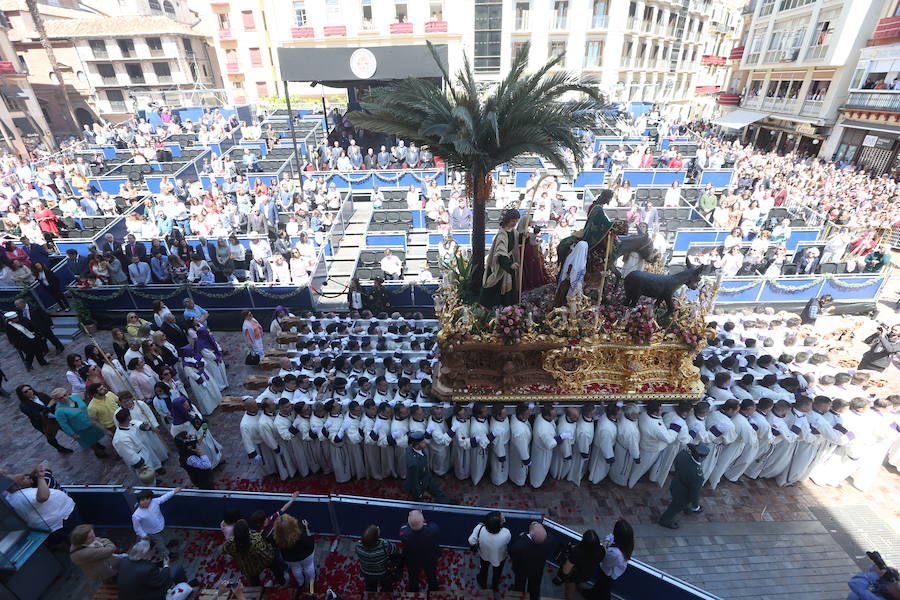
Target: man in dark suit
[421,550]
[78,265]
[40,322]
[132,247]
[109,244]
[140,578]
[260,271]
[180,190]
[36,253]
[24,338]
[528,554]
[418,475]
[207,250]
[686,484]
[175,333]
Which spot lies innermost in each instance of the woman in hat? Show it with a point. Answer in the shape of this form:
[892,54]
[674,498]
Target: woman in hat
[211,353]
[72,417]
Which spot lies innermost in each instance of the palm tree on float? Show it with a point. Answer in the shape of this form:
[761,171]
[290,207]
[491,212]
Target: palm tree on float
[476,132]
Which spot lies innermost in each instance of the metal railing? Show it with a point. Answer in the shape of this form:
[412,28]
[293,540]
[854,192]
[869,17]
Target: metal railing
[816,52]
[812,108]
[888,101]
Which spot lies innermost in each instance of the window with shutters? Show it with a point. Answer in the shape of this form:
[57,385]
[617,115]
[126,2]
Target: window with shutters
[255,57]
[247,20]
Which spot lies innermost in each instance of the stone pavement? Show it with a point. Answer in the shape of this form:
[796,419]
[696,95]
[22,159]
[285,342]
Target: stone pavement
[755,540]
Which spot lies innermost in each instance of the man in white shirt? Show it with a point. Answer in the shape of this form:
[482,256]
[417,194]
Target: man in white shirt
[543,441]
[747,442]
[391,266]
[40,506]
[251,439]
[562,454]
[272,444]
[675,421]
[438,442]
[131,445]
[260,248]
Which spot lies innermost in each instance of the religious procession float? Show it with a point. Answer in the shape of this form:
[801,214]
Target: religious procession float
[589,332]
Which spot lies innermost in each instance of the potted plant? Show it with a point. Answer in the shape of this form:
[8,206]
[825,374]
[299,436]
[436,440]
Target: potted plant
[85,318]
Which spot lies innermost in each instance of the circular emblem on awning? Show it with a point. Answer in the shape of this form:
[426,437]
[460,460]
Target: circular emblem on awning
[363,63]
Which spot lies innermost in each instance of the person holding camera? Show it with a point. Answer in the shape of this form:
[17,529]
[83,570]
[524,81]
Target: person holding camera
[880,582]
[579,561]
[193,460]
[40,505]
[883,345]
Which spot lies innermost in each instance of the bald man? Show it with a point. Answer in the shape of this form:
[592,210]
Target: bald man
[420,547]
[528,553]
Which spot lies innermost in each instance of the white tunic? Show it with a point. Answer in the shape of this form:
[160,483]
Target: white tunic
[655,438]
[353,438]
[335,431]
[271,446]
[519,450]
[205,395]
[783,440]
[663,465]
[803,451]
[400,433]
[581,450]
[602,449]
[748,438]
[561,463]
[478,431]
[722,429]
[627,450]
[141,414]
[215,368]
[461,449]
[318,444]
[308,444]
[382,428]
[371,452]
[438,446]
[289,442]
[500,432]
[129,444]
[543,443]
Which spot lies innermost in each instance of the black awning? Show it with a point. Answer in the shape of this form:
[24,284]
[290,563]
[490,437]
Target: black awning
[24,125]
[333,65]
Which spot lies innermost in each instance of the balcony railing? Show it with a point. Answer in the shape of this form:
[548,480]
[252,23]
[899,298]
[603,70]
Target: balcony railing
[164,79]
[109,80]
[302,32]
[600,22]
[233,68]
[633,23]
[156,53]
[729,99]
[876,100]
[401,28]
[137,80]
[435,26]
[737,53]
[816,52]
[710,59]
[812,108]
[6,66]
[752,58]
[887,28]
[225,34]
[781,105]
[335,30]
[117,106]
[752,102]
[773,56]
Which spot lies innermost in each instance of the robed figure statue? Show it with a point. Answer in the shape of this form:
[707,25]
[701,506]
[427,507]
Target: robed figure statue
[498,287]
[595,230]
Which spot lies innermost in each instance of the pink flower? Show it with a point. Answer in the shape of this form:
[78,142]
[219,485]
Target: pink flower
[506,330]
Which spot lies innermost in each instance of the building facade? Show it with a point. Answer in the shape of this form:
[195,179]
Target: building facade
[798,59]
[23,124]
[641,50]
[868,131]
[139,63]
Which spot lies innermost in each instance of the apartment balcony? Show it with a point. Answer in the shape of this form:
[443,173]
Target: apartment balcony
[729,99]
[302,32]
[118,106]
[887,28]
[157,53]
[219,3]
[225,35]
[707,89]
[633,23]
[874,100]
[6,66]
[233,68]
[816,52]
[752,102]
[710,59]
[600,22]
[164,79]
[737,53]
[781,105]
[436,27]
[812,108]
[335,30]
[401,28]
[752,58]
[137,80]
[109,80]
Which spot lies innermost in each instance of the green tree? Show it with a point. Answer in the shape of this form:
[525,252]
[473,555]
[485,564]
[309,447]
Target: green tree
[476,131]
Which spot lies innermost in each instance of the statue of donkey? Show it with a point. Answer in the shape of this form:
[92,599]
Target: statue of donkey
[660,287]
